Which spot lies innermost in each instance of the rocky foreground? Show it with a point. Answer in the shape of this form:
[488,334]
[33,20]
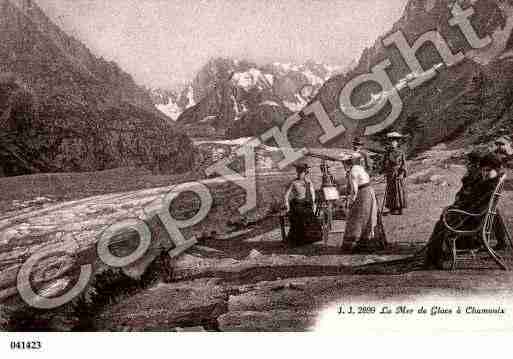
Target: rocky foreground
[231,281]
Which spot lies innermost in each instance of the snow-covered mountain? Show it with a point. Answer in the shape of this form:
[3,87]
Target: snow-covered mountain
[166,101]
[226,91]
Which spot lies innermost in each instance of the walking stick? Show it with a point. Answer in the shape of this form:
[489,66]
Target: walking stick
[383,203]
[282,227]
[383,236]
[508,235]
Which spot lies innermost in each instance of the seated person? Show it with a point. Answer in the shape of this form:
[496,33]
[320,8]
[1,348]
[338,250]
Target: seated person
[504,151]
[478,185]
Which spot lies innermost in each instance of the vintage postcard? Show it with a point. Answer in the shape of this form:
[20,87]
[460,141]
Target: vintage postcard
[338,166]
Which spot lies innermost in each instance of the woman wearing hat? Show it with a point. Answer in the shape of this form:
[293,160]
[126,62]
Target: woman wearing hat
[362,217]
[395,173]
[358,147]
[474,196]
[503,150]
[478,186]
[300,204]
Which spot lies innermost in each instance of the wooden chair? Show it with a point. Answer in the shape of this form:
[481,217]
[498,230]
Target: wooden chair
[484,231]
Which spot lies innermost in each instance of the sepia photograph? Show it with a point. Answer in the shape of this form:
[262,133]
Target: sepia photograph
[305,166]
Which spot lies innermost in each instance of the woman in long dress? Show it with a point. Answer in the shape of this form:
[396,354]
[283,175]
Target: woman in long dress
[300,204]
[395,172]
[477,189]
[362,217]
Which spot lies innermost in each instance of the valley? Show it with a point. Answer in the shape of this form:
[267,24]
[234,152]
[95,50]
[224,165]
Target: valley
[83,147]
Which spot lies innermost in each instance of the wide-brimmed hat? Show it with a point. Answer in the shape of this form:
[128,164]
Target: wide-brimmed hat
[503,140]
[474,156]
[301,167]
[394,135]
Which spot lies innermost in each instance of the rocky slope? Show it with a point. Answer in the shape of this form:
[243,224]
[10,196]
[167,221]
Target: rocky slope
[63,109]
[466,103]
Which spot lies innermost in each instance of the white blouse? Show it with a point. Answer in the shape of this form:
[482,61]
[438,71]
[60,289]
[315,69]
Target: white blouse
[358,176]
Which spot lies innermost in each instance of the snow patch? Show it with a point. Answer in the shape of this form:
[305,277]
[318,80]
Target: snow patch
[208,118]
[332,69]
[287,67]
[295,106]
[269,103]
[239,108]
[312,78]
[171,109]
[269,78]
[238,142]
[190,97]
[252,78]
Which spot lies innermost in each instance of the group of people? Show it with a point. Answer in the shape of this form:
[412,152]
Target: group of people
[362,217]
[484,169]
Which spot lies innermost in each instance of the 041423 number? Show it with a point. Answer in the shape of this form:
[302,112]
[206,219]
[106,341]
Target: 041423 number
[25,345]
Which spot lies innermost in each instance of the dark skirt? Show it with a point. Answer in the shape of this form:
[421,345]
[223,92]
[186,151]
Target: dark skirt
[361,219]
[396,195]
[304,226]
[433,254]
[437,247]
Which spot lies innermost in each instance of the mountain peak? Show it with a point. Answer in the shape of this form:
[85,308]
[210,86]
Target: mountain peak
[237,97]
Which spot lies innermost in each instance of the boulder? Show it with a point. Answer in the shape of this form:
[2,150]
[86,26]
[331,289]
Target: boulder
[269,321]
[254,254]
[167,306]
[431,174]
[282,297]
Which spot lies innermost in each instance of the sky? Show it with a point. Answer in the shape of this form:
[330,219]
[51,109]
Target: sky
[165,42]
